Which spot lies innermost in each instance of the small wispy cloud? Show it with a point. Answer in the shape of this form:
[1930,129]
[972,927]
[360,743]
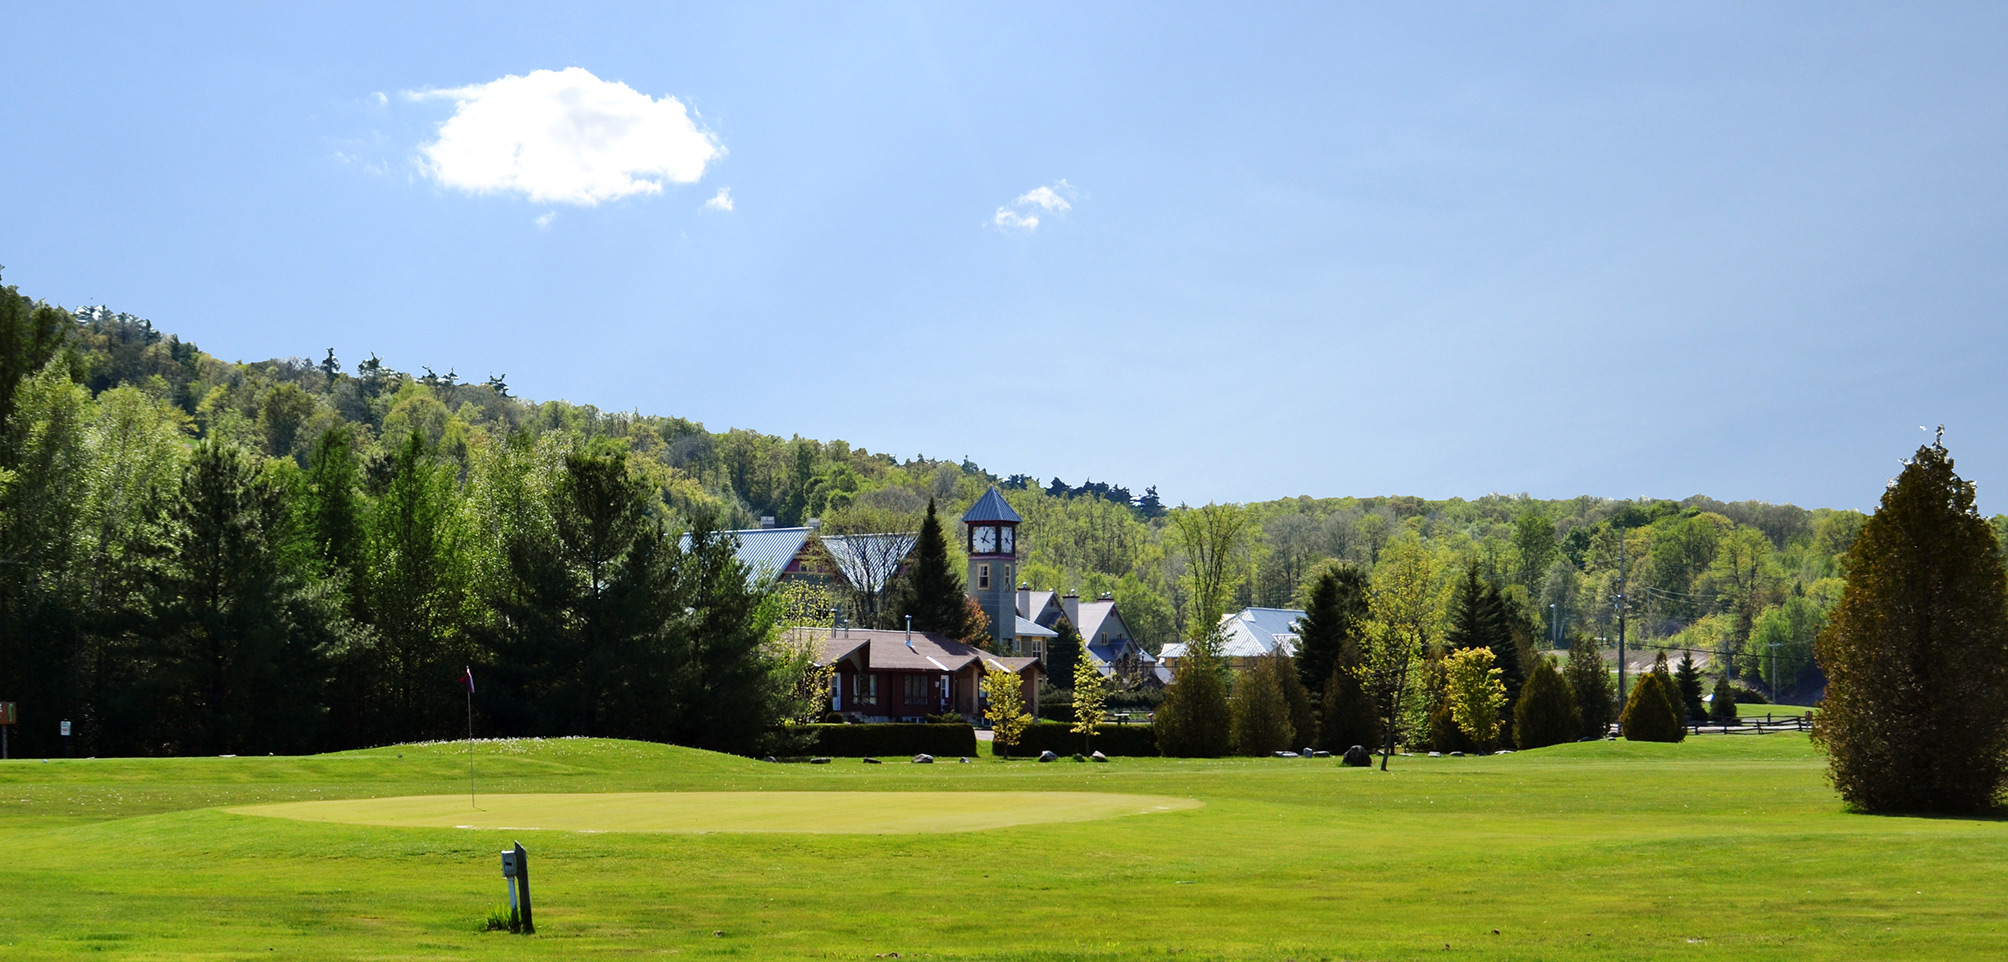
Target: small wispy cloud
[564,137]
[1023,212]
[720,201]
[547,218]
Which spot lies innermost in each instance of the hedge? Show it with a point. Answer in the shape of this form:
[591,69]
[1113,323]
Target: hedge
[1113,741]
[893,740]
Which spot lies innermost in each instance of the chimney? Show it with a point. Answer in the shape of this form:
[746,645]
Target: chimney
[1072,603]
[1024,600]
[815,524]
[766,521]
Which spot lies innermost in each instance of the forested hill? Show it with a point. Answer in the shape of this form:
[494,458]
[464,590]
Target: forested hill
[1701,573]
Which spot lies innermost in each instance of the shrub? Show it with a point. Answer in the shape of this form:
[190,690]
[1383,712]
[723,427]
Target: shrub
[1349,716]
[1916,655]
[1146,698]
[1649,712]
[1194,722]
[1115,741]
[892,740]
[1476,694]
[1590,682]
[1547,713]
[1750,696]
[1261,714]
[1722,707]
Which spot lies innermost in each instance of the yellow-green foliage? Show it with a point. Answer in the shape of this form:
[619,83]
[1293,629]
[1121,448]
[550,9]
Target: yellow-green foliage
[1475,693]
[1006,706]
[1091,693]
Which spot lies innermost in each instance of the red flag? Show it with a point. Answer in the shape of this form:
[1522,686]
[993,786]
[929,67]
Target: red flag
[469,681]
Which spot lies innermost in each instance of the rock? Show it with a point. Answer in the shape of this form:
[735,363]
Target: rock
[923,759]
[1321,754]
[1453,754]
[963,760]
[1286,754]
[1098,756]
[1307,753]
[819,761]
[1357,757]
[771,759]
[1048,757]
[1503,751]
[1080,757]
[1436,754]
[873,761]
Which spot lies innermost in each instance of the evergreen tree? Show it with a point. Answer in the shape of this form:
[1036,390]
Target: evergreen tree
[1546,713]
[1480,619]
[1916,654]
[31,335]
[933,593]
[1687,681]
[1261,716]
[1722,707]
[722,687]
[1297,699]
[1064,652]
[1194,721]
[1650,715]
[232,665]
[1590,682]
[1348,715]
[1332,616]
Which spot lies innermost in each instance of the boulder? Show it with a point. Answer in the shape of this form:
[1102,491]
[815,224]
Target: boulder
[1308,753]
[923,759]
[1098,756]
[1080,757]
[819,760]
[1048,757]
[1321,754]
[1436,754]
[1286,754]
[1453,754]
[1357,757]
[770,758]
[964,760]
[873,761]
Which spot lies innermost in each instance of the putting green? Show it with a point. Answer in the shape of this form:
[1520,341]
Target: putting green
[857,813]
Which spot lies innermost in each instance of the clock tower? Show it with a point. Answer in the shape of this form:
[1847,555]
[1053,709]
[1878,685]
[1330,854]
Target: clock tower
[992,530]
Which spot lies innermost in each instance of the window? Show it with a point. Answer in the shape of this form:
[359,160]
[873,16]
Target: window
[916,689]
[867,689]
[982,576]
[1038,649]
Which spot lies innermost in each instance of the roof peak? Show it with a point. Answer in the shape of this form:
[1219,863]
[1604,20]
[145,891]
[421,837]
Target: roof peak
[991,507]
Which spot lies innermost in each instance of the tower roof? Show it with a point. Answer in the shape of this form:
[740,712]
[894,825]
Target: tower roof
[991,507]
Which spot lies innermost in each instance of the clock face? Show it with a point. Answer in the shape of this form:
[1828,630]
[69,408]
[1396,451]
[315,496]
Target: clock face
[986,540]
[1005,539]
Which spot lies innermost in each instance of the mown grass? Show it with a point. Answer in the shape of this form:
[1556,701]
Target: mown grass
[1717,848]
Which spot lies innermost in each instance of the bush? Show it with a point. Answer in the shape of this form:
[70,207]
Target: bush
[893,740]
[1261,714]
[1750,696]
[1547,713]
[1649,713]
[1349,717]
[1146,698]
[1194,721]
[1722,707]
[1115,741]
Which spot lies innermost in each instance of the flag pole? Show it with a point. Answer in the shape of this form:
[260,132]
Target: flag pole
[470,739]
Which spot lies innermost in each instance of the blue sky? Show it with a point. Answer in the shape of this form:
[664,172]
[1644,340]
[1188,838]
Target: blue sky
[1626,250]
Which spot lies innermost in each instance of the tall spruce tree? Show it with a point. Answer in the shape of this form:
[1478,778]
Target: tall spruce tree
[1722,707]
[1261,716]
[1064,652]
[1480,620]
[1546,713]
[1590,682]
[933,594]
[1687,681]
[1194,721]
[1916,654]
[1332,617]
[1346,714]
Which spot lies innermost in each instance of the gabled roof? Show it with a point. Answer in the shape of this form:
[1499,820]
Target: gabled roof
[851,552]
[1038,602]
[1260,631]
[1027,628]
[767,550]
[1094,614]
[991,507]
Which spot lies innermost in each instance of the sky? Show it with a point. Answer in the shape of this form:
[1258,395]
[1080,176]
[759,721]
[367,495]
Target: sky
[1238,252]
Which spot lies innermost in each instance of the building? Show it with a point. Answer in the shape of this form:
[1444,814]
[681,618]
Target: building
[990,528]
[895,676]
[1100,622]
[1248,634]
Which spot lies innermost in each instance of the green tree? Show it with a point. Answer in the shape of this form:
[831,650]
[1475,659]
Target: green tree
[1590,681]
[1546,713]
[1480,619]
[1534,540]
[1475,693]
[1261,716]
[42,539]
[1916,656]
[1194,721]
[31,335]
[1687,682]
[1332,617]
[1214,539]
[1722,707]
[1650,715]
[1397,631]
[1066,652]
[722,686]
[1090,695]
[1296,698]
[414,590]
[933,594]
[1004,707]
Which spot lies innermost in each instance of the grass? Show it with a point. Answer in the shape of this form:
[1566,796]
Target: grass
[1716,848]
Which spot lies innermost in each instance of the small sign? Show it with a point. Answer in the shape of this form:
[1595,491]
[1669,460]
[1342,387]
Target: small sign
[509,863]
[6,713]
[66,729]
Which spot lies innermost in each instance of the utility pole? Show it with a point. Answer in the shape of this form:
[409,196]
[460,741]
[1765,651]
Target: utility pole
[1623,571]
[1774,672]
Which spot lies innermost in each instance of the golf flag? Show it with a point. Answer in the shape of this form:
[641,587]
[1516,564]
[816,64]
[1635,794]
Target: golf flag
[469,681]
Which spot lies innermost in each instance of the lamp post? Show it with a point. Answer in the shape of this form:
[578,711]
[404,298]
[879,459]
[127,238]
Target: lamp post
[1774,672]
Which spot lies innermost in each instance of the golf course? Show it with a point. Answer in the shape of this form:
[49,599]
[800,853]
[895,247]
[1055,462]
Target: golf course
[1722,847]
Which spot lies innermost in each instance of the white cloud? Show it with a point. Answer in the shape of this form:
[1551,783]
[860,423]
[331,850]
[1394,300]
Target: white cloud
[720,201]
[564,137]
[549,216]
[379,99]
[1022,213]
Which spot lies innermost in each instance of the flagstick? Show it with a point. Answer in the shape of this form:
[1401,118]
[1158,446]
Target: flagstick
[470,749]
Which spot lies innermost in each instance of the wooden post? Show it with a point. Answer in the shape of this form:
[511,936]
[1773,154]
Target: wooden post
[523,887]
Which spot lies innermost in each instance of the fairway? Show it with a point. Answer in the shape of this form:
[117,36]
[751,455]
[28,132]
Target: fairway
[866,813]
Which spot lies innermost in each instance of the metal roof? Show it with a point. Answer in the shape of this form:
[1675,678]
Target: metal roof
[1027,628]
[766,551]
[991,507]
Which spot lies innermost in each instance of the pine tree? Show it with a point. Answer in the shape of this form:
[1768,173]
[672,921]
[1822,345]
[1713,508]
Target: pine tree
[1916,654]
[1297,699]
[1722,707]
[1332,618]
[1261,718]
[1480,620]
[933,593]
[1348,714]
[1650,715]
[1687,681]
[1590,682]
[1064,652]
[1546,713]
[1194,721]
